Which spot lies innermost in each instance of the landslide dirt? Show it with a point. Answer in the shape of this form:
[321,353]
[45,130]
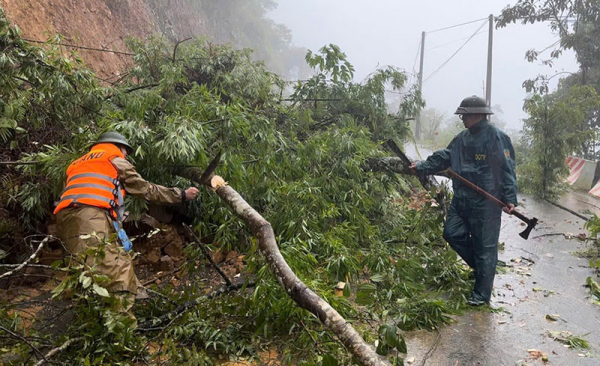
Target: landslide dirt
[104,24]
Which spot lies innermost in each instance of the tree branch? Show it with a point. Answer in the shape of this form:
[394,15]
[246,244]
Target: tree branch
[31,257]
[20,162]
[34,348]
[295,288]
[144,327]
[177,45]
[28,265]
[56,350]
[207,254]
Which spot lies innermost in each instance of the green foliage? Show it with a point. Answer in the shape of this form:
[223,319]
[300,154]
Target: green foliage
[46,99]
[390,340]
[593,255]
[364,102]
[580,36]
[551,133]
[300,164]
[570,340]
[594,287]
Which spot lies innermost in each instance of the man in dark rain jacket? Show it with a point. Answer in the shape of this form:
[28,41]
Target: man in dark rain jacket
[485,156]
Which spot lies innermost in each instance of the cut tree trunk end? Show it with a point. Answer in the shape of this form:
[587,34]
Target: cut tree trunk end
[294,287]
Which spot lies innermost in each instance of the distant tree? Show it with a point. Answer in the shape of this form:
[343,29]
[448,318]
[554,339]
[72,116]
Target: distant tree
[552,132]
[497,118]
[246,24]
[578,25]
[576,22]
[431,121]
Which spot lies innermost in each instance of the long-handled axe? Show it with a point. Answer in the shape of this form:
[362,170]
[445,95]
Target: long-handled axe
[531,223]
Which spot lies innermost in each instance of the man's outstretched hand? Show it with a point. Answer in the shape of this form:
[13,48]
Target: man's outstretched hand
[413,168]
[191,193]
[509,208]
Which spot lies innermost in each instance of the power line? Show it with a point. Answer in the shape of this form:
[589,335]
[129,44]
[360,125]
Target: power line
[456,40]
[552,45]
[457,51]
[416,57]
[457,25]
[414,72]
[81,47]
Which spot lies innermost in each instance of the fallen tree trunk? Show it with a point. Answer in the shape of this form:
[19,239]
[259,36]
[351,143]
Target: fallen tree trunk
[294,287]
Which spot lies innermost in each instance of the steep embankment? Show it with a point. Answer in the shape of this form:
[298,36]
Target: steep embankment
[104,24]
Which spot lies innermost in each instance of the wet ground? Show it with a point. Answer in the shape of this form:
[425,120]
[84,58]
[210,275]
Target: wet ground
[581,202]
[542,277]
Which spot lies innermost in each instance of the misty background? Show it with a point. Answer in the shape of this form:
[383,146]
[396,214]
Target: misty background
[388,32]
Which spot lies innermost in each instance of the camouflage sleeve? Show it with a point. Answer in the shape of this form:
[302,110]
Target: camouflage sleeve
[436,162]
[134,184]
[503,155]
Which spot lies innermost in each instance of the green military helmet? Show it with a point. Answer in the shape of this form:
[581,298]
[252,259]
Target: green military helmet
[473,105]
[114,138]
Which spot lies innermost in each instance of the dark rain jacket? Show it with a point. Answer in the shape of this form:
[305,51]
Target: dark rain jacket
[483,155]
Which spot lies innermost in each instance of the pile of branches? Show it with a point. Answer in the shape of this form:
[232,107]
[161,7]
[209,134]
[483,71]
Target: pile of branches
[308,214]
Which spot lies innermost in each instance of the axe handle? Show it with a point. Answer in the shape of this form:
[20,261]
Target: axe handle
[521,216]
[469,184]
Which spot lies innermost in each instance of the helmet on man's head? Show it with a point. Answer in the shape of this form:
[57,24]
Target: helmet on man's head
[114,138]
[473,105]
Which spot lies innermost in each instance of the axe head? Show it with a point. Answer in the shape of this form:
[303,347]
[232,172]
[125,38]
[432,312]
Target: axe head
[530,226]
[210,169]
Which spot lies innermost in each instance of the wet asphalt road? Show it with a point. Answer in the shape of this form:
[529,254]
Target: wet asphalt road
[542,277]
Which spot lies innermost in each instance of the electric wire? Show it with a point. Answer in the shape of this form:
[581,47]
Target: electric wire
[451,42]
[455,53]
[80,47]
[457,25]
[414,72]
[545,49]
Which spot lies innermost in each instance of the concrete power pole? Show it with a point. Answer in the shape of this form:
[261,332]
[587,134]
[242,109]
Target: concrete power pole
[418,119]
[488,89]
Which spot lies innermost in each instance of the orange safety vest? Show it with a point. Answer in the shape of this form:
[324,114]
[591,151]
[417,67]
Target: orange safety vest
[92,180]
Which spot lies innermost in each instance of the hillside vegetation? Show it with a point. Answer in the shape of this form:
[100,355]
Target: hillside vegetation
[299,162]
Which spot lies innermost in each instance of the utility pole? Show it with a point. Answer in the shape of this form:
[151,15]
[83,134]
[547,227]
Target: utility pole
[488,90]
[418,119]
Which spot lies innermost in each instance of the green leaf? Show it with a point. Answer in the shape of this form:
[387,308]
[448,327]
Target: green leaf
[402,346]
[56,264]
[347,291]
[363,293]
[382,349]
[379,277]
[329,360]
[101,291]
[389,335]
[367,288]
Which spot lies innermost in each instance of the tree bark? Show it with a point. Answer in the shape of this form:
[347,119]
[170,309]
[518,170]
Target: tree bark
[294,287]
